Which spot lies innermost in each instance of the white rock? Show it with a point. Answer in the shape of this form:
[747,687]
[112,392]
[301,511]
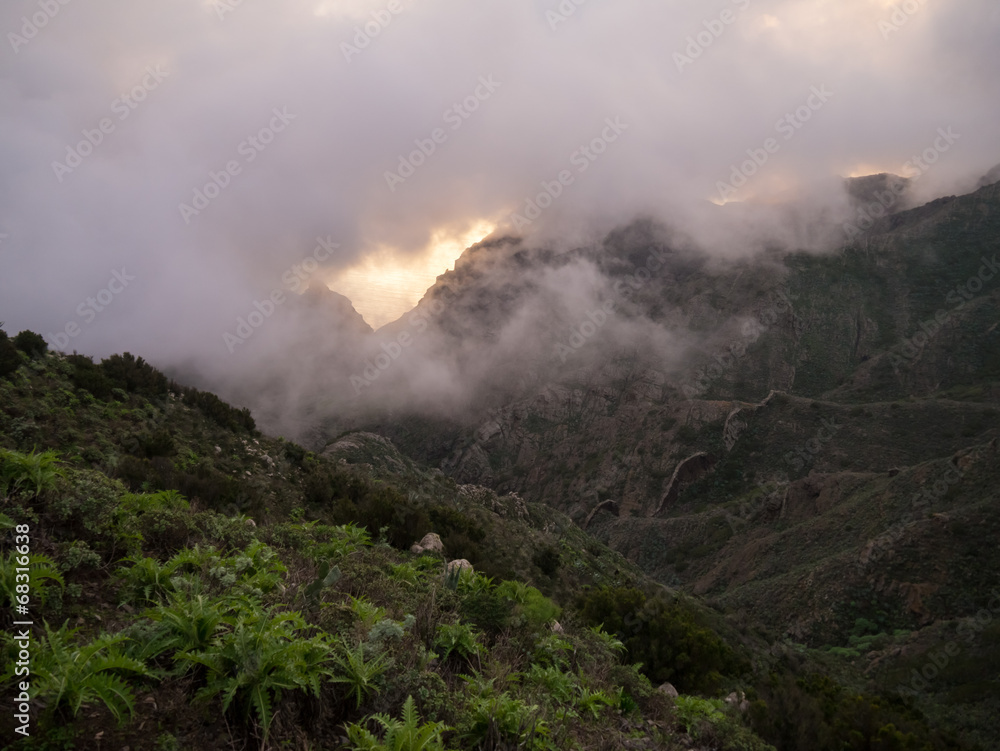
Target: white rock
[430,544]
[669,690]
[461,564]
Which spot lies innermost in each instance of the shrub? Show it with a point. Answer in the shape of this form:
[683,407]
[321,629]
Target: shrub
[10,360]
[692,711]
[89,377]
[135,375]
[665,636]
[231,418]
[31,344]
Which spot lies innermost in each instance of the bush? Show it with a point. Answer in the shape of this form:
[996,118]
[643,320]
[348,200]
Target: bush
[135,375]
[31,344]
[10,360]
[665,637]
[218,411]
[89,377]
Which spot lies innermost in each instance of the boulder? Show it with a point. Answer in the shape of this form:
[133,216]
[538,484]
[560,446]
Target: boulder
[461,564]
[669,690]
[430,544]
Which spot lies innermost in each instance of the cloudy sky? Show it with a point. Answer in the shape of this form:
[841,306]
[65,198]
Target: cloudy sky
[173,162]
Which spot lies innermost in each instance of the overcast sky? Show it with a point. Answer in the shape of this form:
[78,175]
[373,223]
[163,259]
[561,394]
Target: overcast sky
[504,93]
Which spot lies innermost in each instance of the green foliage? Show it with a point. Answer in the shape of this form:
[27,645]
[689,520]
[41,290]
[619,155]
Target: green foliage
[67,677]
[366,611]
[41,572]
[187,624]
[147,580]
[262,656]
[548,561]
[31,344]
[610,642]
[10,360]
[359,673]
[135,375]
[87,376]
[231,418]
[693,710]
[593,702]
[552,650]
[327,576]
[458,639]
[405,734]
[664,636]
[32,473]
[557,685]
[386,630]
[531,607]
[495,719]
[132,504]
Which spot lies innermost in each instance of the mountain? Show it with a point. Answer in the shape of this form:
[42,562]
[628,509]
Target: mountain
[806,438]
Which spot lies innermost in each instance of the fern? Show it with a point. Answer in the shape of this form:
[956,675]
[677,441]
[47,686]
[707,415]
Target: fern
[360,674]
[188,624]
[68,677]
[612,643]
[366,611]
[22,472]
[406,734]
[456,638]
[148,581]
[692,710]
[259,659]
[41,571]
[556,684]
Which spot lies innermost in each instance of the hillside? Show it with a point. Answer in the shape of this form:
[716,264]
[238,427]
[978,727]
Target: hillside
[196,584]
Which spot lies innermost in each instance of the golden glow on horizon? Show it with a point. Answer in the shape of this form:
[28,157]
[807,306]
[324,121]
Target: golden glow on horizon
[387,284]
